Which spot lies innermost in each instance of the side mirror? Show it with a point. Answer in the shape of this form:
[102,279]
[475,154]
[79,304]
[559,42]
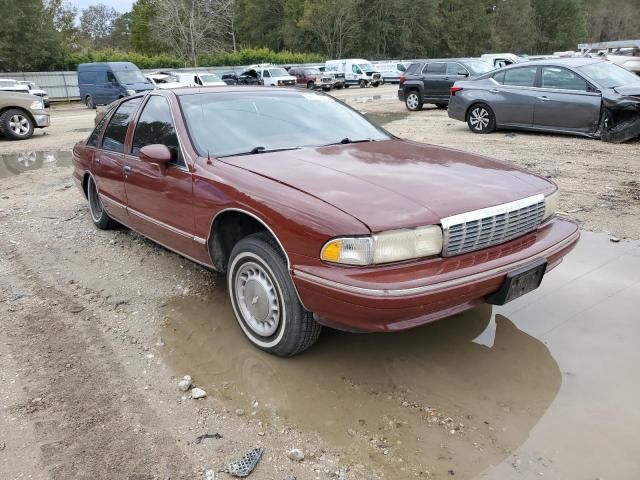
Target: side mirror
[156,153]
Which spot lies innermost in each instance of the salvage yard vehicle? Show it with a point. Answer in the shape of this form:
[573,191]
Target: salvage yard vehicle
[429,81]
[338,78]
[103,82]
[38,92]
[356,71]
[312,78]
[165,80]
[248,77]
[499,60]
[391,71]
[582,96]
[198,79]
[317,216]
[273,76]
[21,114]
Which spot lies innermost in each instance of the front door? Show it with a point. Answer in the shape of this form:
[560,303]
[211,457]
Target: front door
[159,199]
[109,161]
[565,101]
[436,86]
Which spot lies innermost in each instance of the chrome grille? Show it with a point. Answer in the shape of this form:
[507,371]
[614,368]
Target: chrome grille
[491,226]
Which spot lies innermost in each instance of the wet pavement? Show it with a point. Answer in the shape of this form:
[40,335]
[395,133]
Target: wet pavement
[17,163]
[546,385]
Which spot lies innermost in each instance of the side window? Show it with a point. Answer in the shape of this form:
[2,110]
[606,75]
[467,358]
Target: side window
[499,77]
[111,78]
[197,80]
[561,78]
[266,74]
[400,67]
[435,68]
[521,77]
[116,132]
[155,125]
[92,141]
[456,69]
[356,69]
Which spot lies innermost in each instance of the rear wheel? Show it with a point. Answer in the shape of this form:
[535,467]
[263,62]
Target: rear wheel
[90,103]
[98,213]
[363,83]
[310,84]
[376,84]
[264,299]
[16,124]
[481,119]
[413,101]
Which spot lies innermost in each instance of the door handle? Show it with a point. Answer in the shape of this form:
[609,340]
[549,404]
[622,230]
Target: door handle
[543,98]
[494,90]
[97,161]
[127,170]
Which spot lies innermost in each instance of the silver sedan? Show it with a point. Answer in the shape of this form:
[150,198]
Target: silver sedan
[579,96]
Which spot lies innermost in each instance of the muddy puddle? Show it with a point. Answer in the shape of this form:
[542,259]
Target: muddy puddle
[370,98]
[17,163]
[433,399]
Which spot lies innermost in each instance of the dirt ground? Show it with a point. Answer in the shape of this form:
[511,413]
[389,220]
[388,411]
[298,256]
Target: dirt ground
[96,328]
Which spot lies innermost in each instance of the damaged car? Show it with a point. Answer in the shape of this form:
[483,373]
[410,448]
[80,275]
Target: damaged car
[247,77]
[580,96]
[317,216]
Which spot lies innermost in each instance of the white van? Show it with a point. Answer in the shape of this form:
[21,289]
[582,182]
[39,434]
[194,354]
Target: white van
[499,60]
[273,76]
[357,71]
[391,71]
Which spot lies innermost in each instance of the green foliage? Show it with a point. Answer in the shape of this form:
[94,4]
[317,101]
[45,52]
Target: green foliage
[242,57]
[142,40]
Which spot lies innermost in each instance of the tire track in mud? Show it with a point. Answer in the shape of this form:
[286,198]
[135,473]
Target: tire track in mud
[88,419]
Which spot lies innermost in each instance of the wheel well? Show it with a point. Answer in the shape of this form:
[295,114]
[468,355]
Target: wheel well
[85,184]
[22,110]
[227,229]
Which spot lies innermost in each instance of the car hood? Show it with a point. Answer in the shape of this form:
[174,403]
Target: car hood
[396,184]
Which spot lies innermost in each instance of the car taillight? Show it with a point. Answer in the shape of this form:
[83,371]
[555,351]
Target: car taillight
[402,79]
[453,90]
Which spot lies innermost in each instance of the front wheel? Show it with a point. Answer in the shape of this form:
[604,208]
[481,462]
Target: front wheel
[264,299]
[90,103]
[481,119]
[363,83]
[16,124]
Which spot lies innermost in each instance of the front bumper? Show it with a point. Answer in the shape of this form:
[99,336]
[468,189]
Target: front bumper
[403,296]
[401,94]
[41,118]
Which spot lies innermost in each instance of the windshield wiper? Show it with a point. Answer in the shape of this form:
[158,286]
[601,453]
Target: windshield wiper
[347,140]
[257,150]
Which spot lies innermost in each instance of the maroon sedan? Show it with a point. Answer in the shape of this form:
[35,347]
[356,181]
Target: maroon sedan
[317,216]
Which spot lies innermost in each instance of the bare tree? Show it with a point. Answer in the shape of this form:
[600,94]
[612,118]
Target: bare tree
[96,23]
[192,27]
[332,21]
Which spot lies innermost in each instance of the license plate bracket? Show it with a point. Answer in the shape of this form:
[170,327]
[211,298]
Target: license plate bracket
[519,282]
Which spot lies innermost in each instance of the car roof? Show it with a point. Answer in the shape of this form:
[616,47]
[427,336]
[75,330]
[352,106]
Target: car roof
[569,62]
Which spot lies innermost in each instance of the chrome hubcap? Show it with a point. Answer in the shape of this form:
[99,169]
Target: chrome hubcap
[257,299]
[412,100]
[479,118]
[19,124]
[95,205]
[26,159]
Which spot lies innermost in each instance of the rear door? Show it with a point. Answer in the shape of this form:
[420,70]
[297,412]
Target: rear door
[436,87]
[160,200]
[109,161]
[566,101]
[514,96]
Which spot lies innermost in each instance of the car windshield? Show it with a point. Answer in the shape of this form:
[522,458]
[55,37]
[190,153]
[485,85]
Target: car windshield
[312,71]
[7,83]
[224,125]
[278,72]
[478,67]
[366,67]
[401,68]
[209,78]
[608,75]
[130,76]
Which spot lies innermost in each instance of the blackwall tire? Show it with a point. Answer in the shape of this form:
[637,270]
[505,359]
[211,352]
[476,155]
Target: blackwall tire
[16,124]
[264,299]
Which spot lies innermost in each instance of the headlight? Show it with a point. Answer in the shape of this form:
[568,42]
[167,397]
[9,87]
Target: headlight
[551,204]
[37,105]
[131,92]
[385,247]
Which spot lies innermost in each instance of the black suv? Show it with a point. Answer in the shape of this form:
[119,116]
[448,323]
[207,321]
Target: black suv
[429,81]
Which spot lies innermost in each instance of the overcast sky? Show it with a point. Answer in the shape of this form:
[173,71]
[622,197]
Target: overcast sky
[120,5]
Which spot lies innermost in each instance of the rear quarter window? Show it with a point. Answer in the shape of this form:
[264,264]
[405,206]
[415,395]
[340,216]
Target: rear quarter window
[435,68]
[413,68]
